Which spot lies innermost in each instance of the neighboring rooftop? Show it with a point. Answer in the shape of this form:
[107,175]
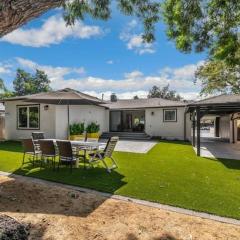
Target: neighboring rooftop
[143,103]
[220,99]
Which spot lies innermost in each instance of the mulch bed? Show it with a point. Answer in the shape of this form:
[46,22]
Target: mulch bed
[10,229]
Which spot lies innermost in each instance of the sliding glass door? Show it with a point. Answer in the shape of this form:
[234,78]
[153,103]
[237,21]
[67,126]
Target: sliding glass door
[115,121]
[127,121]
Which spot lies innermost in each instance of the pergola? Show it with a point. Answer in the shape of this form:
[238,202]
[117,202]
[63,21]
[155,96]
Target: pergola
[219,105]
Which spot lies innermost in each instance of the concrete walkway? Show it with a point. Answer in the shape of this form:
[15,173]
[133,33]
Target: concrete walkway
[220,150]
[134,146]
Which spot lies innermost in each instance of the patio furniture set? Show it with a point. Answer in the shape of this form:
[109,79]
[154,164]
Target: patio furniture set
[68,152]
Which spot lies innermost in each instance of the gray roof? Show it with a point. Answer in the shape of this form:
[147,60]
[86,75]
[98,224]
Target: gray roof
[64,96]
[220,99]
[144,103]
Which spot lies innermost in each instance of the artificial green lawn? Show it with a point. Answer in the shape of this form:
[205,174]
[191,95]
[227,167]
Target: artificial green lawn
[170,173]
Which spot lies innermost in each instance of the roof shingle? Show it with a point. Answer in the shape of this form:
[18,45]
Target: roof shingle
[220,99]
[144,103]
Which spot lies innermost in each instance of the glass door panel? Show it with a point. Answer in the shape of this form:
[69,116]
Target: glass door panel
[115,121]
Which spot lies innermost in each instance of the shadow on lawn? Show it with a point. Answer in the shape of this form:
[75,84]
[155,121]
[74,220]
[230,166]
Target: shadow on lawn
[11,146]
[180,142]
[229,163]
[34,196]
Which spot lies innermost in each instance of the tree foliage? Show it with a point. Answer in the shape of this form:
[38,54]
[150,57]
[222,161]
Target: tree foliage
[2,85]
[211,25]
[194,25]
[217,76]
[136,97]
[147,11]
[26,83]
[164,92]
[4,92]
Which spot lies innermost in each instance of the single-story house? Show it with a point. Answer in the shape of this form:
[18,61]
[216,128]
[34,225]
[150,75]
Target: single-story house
[52,113]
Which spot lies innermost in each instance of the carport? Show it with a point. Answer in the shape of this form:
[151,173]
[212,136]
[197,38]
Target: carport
[225,105]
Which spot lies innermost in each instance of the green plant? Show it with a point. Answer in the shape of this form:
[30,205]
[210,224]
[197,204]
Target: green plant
[93,128]
[76,128]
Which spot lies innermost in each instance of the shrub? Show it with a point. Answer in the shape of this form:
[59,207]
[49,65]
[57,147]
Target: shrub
[93,128]
[76,128]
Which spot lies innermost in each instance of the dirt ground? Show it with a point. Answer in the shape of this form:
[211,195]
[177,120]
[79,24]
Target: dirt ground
[59,213]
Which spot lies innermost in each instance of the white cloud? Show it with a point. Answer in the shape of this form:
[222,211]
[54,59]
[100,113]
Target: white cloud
[133,83]
[190,95]
[110,62]
[123,95]
[53,31]
[55,74]
[5,68]
[133,75]
[134,40]
[186,72]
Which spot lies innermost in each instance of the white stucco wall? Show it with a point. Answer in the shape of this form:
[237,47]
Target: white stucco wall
[53,122]
[80,113]
[224,123]
[47,121]
[155,126]
[189,132]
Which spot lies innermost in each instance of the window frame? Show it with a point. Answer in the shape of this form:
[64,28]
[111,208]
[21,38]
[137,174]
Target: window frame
[28,122]
[170,109]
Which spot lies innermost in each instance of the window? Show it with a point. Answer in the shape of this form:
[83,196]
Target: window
[28,117]
[170,115]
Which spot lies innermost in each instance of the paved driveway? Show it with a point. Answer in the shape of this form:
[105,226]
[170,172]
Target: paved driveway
[220,150]
[134,146]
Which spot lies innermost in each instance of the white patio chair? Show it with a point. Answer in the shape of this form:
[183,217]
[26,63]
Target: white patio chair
[100,156]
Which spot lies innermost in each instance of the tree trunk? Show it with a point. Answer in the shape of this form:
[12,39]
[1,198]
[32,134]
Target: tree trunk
[15,13]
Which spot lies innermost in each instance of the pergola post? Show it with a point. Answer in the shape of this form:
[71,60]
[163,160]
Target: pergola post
[68,122]
[198,132]
[185,127]
[194,130]
[194,133]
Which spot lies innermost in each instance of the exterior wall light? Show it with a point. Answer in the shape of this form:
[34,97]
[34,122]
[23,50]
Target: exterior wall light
[46,107]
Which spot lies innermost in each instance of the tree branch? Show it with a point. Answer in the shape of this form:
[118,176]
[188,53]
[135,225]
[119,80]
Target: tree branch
[15,13]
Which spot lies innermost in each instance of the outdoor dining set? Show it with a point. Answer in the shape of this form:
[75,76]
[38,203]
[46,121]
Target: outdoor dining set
[69,153]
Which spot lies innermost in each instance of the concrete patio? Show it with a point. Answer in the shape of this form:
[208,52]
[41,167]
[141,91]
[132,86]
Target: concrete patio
[134,146]
[218,149]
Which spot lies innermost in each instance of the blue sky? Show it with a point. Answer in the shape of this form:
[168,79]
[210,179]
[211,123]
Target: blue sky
[98,57]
